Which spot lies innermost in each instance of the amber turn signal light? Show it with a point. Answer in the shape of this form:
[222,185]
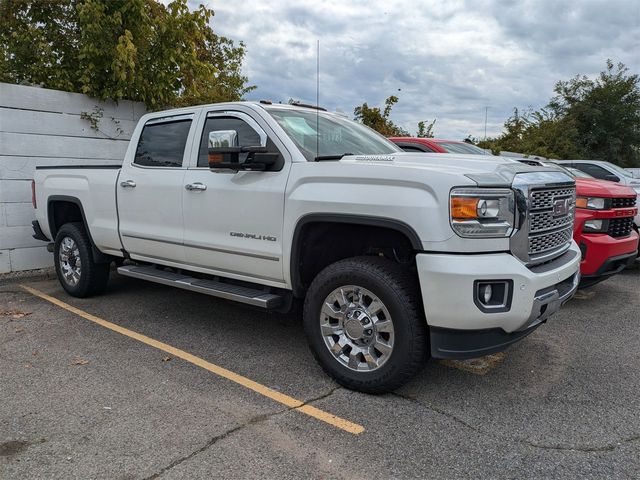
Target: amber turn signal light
[464,208]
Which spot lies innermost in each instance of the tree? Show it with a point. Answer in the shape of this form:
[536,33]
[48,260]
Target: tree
[588,118]
[379,120]
[425,130]
[536,133]
[605,112]
[140,50]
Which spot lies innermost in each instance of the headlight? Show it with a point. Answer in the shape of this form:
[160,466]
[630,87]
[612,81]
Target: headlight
[593,203]
[595,226]
[482,212]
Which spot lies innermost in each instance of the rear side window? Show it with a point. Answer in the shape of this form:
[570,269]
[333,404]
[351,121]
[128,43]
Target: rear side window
[162,144]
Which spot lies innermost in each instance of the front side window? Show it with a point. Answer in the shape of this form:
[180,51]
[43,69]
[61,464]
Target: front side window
[321,134]
[247,136]
[593,170]
[162,144]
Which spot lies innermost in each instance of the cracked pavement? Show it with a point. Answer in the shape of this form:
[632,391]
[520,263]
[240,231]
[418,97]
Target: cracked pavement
[79,401]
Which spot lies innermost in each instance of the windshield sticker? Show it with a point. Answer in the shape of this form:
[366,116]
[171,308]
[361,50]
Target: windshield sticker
[299,125]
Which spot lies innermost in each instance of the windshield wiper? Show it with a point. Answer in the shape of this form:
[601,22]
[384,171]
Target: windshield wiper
[321,158]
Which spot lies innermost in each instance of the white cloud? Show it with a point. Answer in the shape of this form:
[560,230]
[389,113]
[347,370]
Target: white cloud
[444,59]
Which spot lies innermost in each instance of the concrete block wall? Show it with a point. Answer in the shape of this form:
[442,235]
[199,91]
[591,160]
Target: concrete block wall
[45,127]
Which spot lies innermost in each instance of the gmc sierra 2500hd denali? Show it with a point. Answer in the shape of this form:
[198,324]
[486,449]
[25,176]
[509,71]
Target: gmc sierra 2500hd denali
[397,255]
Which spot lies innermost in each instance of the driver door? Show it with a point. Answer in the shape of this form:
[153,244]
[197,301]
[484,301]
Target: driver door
[233,220]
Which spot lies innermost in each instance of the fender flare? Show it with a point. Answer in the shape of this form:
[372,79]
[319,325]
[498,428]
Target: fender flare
[98,256]
[367,220]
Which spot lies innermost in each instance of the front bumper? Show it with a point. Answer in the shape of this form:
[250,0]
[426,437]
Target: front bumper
[599,248]
[459,329]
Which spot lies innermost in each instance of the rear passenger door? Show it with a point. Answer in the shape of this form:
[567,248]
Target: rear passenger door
[149,191]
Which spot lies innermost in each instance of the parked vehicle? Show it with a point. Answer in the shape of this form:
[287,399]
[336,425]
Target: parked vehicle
[607,171]
[395,254]
[437,145]
[603,228]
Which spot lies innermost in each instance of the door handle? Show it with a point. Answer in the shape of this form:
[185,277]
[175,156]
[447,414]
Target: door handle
[128,183]
[195,186]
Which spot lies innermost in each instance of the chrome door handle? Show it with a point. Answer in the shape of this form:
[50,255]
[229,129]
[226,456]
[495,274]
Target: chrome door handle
[195,186]
[128,183]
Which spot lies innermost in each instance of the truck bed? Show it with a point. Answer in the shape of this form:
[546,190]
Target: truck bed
[94,187]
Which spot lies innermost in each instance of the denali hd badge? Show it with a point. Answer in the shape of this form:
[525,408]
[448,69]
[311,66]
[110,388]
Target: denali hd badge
[561,207]
[269,238]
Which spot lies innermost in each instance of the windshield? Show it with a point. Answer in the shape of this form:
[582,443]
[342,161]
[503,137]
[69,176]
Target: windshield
[329,135]
[460,147]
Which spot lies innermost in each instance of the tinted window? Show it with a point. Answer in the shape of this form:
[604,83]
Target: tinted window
[162,144]
[247,136]
[593,170]
[408,148]
[466,148]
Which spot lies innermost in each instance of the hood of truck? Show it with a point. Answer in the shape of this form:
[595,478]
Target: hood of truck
[587,187]
[485,170]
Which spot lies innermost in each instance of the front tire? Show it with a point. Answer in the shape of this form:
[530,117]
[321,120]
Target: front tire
[77,272]
[364,324]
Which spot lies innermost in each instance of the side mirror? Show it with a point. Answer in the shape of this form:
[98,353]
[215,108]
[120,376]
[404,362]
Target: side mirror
[224,153]
[612,178]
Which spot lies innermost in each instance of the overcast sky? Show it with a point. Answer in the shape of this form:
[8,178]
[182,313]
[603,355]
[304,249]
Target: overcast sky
[443,59]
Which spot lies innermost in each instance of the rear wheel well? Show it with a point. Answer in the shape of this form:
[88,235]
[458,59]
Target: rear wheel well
[319,244]
[61,212]
[65,210]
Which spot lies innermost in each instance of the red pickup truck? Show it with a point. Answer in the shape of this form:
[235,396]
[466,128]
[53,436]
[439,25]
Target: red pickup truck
[603,226]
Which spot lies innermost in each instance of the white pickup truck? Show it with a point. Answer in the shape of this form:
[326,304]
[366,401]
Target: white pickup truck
[397,255]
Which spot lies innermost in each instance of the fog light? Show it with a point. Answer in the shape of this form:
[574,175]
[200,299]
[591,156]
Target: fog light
[492,296]
[593,226]
[486,292]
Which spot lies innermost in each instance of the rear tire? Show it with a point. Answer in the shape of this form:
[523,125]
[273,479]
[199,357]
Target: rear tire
[77,272]
[364,322]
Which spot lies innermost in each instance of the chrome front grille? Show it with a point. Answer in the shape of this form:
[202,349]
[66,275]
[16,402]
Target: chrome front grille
[542,221]
[543,199]
[551,214]
[550,241]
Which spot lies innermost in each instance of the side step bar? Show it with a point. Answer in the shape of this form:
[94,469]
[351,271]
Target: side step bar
[252,296]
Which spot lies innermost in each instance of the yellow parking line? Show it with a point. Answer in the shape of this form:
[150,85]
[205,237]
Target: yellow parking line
[286,400]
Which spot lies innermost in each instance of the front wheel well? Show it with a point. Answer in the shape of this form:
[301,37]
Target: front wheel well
[318,244]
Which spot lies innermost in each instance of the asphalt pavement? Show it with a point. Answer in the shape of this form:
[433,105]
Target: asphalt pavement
[173,384]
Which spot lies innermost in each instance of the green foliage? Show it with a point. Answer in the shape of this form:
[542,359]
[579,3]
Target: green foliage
[426,130]
[379,120]
[597,119]
[140,50]
[605,112]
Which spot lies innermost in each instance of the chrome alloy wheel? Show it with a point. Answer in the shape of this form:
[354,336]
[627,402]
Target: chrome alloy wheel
[70,263]
[357,328]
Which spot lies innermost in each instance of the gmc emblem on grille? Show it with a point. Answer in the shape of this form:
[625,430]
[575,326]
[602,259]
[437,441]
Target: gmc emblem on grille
[561,207]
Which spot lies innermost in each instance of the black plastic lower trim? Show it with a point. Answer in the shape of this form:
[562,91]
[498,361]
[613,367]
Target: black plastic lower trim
[37,232]
[611,266]
[463,344]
